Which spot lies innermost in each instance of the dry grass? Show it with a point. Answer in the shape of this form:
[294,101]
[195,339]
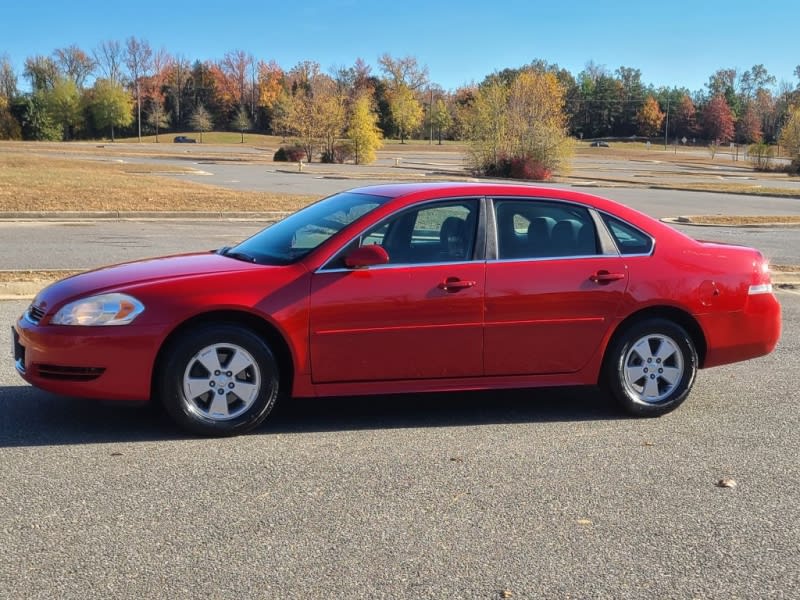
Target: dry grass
[729,188]
[744,219]
[36,183]
[34,276]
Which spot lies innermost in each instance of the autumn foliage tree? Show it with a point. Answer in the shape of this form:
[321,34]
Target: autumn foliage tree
[790,136]
[111,106]
[650,118]
[519,128]
[686,118]
[748,128]
[406,111]
[363,132]
[718,120]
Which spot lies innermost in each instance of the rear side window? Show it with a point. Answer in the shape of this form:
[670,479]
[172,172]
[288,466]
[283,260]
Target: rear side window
[540,229]
[629,239]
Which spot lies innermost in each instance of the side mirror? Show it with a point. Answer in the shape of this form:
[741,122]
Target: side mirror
[366,256]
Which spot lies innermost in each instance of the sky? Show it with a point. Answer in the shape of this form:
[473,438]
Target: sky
[674,43]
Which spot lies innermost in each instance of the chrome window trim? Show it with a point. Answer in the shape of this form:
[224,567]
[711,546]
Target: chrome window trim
[401,265]
[455,199]
[492,218]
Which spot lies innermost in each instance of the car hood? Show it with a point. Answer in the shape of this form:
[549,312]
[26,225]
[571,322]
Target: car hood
[138,273]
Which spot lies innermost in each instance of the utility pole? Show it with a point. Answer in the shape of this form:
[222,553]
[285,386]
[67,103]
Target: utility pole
[430,117]
[666,127]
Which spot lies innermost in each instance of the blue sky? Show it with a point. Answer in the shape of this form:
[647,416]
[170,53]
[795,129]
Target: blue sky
[675,42]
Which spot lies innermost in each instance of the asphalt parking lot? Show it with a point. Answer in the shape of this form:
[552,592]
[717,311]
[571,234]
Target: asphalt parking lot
[547,494]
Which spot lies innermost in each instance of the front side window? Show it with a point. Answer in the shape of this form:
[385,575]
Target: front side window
[432,233]
[539,229]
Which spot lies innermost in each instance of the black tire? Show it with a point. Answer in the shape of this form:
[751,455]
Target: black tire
[189,391]
[650,367]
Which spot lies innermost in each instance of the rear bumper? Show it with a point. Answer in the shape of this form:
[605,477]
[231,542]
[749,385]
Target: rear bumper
[741,335]
[110,363]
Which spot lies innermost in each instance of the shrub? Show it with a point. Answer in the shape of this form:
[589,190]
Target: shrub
[289,154]
[761,156]
[341,154]
[518,168]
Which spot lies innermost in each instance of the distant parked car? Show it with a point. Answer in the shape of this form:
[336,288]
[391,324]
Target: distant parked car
[599,144]
[408,288]
[182,139]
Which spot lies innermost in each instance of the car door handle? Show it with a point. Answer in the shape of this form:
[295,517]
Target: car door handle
[606,277]
[454,284]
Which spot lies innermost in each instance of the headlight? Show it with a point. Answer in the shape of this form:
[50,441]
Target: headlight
[106,309]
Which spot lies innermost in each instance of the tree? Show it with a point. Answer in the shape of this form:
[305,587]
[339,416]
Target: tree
[520,126]
[110,105]
[686,117]
[9,127]
[138,56]
[537,122]
[8,80]
[403,72]
[748,128]
[63,103]
[157,116]
[75,64]
[649,118]
[790,137]
[34,120]
[201,120]
[488,125]
[718,120]
[109,57]
[241,121]
[363,132]
[178,75]
[406,111]
[281,114]
[441,118]
[42,72]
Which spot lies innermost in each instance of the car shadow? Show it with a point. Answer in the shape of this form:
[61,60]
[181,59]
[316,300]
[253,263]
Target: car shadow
[32,417]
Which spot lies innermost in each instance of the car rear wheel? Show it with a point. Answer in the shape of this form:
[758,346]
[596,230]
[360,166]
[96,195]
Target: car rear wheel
[650,368]
[218,380]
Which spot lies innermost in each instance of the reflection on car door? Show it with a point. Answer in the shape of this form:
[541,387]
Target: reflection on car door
[551,295]
[418,317]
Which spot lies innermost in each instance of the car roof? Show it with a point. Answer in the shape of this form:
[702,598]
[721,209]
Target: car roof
[470,188]
[413,192]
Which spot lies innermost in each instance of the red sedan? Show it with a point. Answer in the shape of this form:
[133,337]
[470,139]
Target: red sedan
[407,288]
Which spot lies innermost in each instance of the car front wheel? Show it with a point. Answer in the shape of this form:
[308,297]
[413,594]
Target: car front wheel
[218,380]
[650,368]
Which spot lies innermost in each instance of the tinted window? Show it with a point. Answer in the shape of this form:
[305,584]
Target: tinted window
[538,229]
[441,232]
[629,239]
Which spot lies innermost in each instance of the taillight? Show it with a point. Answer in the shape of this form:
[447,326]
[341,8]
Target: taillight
[762,278]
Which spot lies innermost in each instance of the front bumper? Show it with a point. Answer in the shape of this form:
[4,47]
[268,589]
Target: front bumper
[111,363]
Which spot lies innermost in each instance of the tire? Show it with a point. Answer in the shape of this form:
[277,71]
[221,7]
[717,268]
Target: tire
[218,380]
[650,367]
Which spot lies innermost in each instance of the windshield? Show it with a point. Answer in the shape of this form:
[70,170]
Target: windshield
[295,236]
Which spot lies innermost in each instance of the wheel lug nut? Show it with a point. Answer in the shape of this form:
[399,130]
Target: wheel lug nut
[212,383]
[220,391]
[231,386]
[229,373]
[216,373]
[661,370]
[651,377]
[645,369]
